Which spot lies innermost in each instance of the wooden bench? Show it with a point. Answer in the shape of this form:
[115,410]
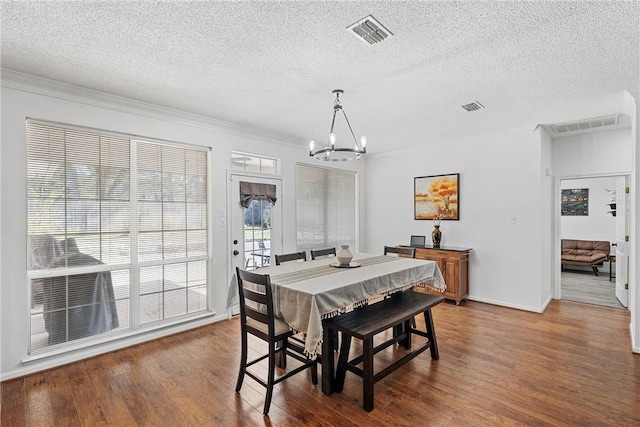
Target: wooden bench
[395,312]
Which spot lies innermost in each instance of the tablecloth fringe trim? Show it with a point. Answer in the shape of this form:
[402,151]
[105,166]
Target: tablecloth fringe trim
[425,284]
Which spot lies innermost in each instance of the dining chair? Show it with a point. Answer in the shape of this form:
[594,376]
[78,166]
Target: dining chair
[400,251]
[257,318]
[315,253]
[291,257]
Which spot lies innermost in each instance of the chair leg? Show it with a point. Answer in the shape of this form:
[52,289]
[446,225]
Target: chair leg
[270,377]
[281,356]
[243,362]
[284,344]
[314,373]
[595,270]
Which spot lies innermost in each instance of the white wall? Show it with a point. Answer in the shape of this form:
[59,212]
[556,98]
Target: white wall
[549,248]
[23,96]
[599,153]
[599,224]
[501,176]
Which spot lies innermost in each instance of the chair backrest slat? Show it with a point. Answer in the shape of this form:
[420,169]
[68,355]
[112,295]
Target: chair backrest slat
[254,295]
[291,257]
[315,253]
[411,252]
[256,315]
[256,300]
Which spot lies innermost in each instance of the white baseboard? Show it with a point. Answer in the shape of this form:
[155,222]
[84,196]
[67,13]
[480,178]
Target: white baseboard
[516,306]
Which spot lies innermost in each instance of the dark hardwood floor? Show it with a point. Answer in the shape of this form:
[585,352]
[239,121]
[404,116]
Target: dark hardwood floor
[571,365]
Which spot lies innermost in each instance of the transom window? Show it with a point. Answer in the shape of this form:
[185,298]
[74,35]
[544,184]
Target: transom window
[253,163]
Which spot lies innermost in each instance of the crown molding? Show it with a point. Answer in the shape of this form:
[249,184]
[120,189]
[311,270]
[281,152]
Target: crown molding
[501,135]
[55,89]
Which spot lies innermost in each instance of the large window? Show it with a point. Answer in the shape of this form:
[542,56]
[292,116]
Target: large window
[326,207]
[117,233]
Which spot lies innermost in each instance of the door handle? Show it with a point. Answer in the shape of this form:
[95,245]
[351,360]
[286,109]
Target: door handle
[236,252]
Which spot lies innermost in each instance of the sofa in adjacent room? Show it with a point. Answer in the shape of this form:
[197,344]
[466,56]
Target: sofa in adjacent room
[585,253]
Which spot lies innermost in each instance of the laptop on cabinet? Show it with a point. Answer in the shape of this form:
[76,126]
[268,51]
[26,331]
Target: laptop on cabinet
[418,241]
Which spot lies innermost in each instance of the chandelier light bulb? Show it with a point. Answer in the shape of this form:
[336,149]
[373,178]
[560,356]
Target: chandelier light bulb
[332,139]
[363,141]
[312,144]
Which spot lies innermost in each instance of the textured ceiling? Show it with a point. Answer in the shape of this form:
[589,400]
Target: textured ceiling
[273,65]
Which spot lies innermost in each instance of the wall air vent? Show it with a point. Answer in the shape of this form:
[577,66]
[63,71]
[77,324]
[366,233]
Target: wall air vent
[474,106]
[369,30]
[598,122]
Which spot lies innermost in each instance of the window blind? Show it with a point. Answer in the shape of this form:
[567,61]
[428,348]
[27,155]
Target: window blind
[172,245]
[326,207]
[90,206]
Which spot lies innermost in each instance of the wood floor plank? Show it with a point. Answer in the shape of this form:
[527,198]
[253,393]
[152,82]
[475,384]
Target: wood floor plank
[112,406]
[63,408]
[36,390]
[88,402]
[571,365]
[14,409]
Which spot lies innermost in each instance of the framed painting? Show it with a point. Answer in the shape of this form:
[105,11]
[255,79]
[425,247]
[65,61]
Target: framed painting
[437,197]
[574,202]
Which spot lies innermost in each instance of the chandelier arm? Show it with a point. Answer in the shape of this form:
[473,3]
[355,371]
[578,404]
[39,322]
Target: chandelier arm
[333,121]
[352,134]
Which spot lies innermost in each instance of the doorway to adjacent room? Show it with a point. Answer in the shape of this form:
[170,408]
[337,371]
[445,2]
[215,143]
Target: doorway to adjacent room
[601,216]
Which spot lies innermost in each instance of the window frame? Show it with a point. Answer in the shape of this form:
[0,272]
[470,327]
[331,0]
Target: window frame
[134,265]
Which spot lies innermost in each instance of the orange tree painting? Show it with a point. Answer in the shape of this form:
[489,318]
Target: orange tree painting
[437,197]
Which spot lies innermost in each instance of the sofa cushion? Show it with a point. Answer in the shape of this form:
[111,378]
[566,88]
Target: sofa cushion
[590,258]
[584,252]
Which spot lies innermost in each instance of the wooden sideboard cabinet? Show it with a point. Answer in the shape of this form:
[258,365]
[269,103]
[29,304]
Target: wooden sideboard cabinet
[454,265]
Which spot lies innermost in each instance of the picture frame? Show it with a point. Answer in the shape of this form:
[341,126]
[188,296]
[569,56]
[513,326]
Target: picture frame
[437,197]
[574,202]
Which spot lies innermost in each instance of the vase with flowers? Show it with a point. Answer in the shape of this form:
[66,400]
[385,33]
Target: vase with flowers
[436,234]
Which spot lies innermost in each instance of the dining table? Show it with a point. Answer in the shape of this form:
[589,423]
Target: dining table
[306,293]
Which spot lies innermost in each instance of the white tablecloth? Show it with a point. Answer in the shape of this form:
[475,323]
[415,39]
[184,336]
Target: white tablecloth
[304,293]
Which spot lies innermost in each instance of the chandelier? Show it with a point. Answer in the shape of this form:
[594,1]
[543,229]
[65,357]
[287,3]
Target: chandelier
[333,153]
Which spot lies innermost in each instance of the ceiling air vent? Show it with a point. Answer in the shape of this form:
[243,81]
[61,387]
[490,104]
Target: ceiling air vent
[474,106]
[369,30]
[598,122]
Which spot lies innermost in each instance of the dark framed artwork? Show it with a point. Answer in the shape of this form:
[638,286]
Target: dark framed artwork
[437,197]
[574,202]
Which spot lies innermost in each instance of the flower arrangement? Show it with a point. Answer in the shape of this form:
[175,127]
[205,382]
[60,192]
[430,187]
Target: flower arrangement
[442,213]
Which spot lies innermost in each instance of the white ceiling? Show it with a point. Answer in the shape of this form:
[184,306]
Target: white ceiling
[273,65]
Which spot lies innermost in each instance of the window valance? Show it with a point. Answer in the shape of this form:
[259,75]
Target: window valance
[250,191]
